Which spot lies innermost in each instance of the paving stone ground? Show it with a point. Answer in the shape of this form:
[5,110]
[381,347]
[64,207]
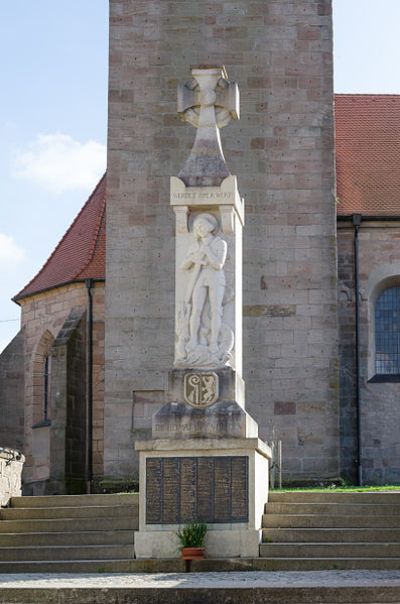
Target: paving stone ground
[361,578]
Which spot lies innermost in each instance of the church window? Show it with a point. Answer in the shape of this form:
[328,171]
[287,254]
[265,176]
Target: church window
[41,399]
[387,332]
[46,388]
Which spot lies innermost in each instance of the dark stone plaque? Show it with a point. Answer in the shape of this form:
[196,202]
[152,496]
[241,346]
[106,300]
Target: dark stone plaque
[154,482]
[223,489]
[205,488]
[239,505]
[171,494]
[180,490]
[188,480]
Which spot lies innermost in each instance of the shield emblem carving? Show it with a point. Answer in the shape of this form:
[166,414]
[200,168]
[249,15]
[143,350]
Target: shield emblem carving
[200,389]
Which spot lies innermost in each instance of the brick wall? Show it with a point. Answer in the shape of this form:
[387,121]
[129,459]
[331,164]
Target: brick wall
[280,53]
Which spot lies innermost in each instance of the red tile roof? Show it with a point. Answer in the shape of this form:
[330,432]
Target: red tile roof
[368,154]
[81,252]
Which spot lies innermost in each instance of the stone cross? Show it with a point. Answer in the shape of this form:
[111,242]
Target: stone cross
[208,102]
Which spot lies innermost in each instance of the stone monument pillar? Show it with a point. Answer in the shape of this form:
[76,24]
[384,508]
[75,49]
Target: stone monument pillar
[205,462]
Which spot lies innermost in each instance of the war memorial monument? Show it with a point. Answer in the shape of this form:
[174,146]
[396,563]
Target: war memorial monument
[205,462]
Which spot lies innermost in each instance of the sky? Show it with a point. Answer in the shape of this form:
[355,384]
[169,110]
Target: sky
[53,115]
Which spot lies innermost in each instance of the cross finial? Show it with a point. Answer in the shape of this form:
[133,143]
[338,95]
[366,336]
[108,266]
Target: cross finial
[208,102]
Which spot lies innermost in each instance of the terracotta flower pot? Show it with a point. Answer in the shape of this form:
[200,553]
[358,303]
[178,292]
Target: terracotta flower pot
[192,553]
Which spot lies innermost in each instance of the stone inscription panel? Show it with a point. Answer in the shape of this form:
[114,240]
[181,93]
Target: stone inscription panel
[191,196]
[180,490]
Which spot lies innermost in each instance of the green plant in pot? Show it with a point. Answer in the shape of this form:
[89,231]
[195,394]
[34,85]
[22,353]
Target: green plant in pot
[191,538]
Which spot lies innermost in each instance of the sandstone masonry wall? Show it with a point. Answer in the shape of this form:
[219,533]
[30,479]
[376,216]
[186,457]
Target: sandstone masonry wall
[12,393]
[379,264]
[280,53]
[43,315]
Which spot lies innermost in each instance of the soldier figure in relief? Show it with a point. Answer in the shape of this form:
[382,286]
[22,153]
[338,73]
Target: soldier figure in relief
[206,259]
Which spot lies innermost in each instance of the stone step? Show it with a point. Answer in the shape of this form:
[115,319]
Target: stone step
[327,563]
[99,537]
[331,509]
[104,511]
[67,566]
[76,500]
[58,552]
[66,525]
[377,498]
[240,588]
[330,550]
[208,565]
[323,521]
[300,535]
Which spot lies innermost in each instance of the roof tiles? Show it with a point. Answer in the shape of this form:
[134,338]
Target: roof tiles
[81,252]
[368,154]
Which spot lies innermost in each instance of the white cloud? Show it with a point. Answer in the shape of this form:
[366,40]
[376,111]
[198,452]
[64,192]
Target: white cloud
[59,163]
[10,253]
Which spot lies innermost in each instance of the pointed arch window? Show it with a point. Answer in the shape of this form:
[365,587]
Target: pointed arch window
[46,387]
[41,411]
[387,332]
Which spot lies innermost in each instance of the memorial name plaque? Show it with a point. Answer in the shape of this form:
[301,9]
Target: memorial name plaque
[180,490]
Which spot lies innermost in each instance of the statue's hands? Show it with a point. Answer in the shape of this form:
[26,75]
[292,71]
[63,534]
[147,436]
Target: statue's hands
[206,252]
[194,257]
[198,257]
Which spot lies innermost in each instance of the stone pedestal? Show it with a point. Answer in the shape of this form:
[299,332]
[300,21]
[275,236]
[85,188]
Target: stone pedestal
[204,404]
[223,482]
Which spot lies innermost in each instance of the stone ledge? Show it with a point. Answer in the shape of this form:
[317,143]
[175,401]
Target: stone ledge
[238,592]
[205,444]
[11,464]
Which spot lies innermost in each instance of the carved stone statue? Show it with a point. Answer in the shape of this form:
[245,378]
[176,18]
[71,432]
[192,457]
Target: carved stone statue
[203,339]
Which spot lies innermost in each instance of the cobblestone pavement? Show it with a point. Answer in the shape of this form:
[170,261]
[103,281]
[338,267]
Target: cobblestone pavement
[364,578]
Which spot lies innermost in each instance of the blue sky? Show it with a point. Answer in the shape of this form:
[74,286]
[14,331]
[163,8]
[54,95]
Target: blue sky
[53,122]
[53,118]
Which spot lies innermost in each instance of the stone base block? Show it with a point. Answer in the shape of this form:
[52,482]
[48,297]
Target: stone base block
[204,404]
[223,482]
[232,543]
[223,420]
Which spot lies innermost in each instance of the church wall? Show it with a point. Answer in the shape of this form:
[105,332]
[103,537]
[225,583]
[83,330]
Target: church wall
[347,351]
[68,389]
[280,53]
[12,394]
[43,316]
[379,266]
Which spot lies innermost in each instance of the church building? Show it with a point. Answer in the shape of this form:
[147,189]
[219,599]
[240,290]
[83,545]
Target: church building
[319,174]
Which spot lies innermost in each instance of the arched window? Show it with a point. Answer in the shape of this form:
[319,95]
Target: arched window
[387,332]
[46,387]
[41,380]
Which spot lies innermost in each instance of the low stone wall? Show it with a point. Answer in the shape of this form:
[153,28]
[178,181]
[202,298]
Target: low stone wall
[11,464]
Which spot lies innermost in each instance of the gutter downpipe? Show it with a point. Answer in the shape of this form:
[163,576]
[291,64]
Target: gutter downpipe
[356,220]
[89,388]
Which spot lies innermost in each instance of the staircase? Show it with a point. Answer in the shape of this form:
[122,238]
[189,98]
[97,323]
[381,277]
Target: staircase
[68,533]
[301,531]
[326,531]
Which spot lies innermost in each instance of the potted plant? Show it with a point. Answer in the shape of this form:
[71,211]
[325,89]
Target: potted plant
[191,538]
